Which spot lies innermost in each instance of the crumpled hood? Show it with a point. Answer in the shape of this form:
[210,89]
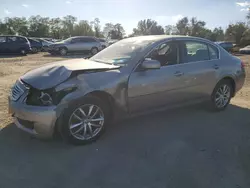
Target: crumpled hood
[50,75]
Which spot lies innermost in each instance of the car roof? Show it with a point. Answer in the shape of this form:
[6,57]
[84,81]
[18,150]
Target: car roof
[155,38]
[12,36]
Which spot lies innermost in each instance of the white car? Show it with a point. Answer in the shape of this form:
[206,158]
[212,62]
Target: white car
[245,50]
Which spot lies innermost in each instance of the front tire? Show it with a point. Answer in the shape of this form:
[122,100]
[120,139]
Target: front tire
[221,95]
[84,122]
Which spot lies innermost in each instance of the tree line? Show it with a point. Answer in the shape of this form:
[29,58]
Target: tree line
[61,28]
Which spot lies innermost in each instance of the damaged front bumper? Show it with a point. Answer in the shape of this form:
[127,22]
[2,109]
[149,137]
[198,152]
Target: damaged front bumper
[36,120]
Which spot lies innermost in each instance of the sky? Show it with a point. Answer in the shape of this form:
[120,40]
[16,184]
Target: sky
[128,12]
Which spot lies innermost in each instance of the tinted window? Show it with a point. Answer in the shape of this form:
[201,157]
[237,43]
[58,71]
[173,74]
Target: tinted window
[88,40]
[76,40]
[102,40]
[195,51]
[12,39]
[22,39]
[213,52]
[166,54]
[16,39]
[2,39]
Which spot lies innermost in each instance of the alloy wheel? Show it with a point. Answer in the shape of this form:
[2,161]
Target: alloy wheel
[222,96]
[63,51]
[94,51]
[86,122]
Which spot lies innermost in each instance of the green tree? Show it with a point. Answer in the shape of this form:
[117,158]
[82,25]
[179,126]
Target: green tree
[68,25]
[97,27]
[39,26]
[113,31]
[182,26]
[235,32]
[148,27]
[83,28]
[56,28]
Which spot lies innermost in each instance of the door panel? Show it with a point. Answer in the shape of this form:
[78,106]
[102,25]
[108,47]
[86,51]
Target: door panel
[155,88]
[199,79]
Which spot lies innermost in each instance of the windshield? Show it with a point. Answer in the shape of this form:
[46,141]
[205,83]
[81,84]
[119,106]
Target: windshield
[121,52]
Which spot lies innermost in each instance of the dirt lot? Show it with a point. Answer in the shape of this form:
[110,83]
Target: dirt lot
[188,147]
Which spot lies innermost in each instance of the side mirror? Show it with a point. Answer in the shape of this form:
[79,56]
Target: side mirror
[151,64]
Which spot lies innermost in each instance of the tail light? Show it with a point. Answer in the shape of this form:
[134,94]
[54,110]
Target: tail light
[242,65]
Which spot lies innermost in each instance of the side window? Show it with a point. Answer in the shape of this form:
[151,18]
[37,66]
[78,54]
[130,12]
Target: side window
[12,39]
[167,54]
[89,40]
[2,39]
[213,52]
[195,51]
[21,39]
[76,40]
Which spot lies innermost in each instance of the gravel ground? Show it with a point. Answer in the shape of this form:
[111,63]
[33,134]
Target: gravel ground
[187,147]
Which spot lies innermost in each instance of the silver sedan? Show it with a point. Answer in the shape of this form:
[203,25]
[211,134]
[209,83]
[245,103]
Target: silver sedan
[79,98]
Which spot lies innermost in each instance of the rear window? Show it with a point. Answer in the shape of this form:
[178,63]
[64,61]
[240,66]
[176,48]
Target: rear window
[2,39]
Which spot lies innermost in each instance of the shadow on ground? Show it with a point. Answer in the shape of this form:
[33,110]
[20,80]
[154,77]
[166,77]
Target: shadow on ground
[10,55]
[190,148]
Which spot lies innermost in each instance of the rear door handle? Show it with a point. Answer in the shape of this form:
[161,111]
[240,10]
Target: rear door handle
[178,73]
[216,67]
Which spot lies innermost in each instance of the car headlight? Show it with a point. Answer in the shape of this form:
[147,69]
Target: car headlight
[47,97]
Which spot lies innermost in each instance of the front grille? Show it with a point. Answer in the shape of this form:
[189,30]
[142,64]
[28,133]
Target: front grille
[17,91]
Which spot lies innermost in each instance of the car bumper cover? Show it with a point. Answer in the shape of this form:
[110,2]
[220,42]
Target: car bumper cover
[36,120]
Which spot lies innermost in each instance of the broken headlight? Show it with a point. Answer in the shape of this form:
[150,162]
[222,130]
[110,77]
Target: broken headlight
[46,97]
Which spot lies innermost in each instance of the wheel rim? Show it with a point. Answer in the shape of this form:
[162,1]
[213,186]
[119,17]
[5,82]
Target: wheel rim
[94,51]
[86,122]
[34,50]
[23,52]
[222,96]
[63,52]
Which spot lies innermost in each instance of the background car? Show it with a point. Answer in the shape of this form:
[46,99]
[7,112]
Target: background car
[76,44]
[245,50]
[45,44]
[14,44]
[36,46]
[104,43]
[228,46]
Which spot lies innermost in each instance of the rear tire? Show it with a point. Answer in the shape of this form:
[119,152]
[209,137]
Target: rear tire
[23,52]
[34,50]
[78,126]
[94,51]
[221,95]
[63,51]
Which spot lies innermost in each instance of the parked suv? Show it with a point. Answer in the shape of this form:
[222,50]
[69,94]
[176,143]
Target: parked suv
[76,44]
[14,44]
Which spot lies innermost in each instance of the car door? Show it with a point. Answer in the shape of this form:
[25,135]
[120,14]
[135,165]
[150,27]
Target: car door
[154,88]
[3,44]
[199,65]
[75,45]
[12,45]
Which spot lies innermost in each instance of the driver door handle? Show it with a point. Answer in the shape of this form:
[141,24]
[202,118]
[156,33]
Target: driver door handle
[178,73]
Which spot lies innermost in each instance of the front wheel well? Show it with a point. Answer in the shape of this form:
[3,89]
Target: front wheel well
[106,98]
[231,80]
